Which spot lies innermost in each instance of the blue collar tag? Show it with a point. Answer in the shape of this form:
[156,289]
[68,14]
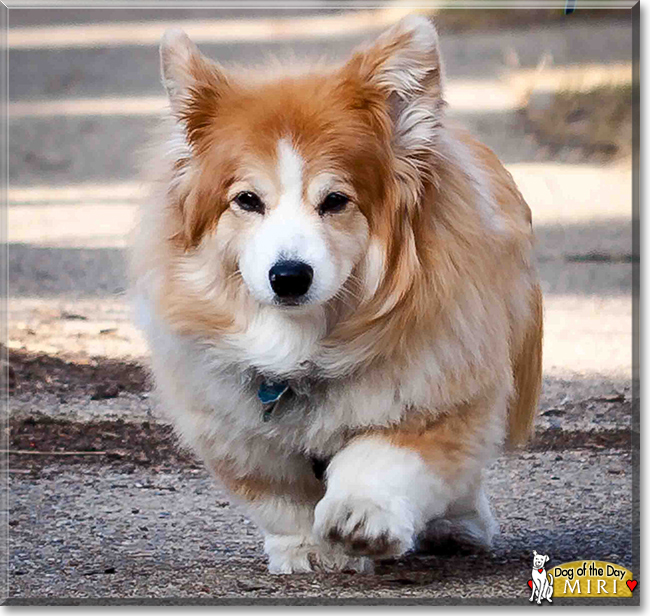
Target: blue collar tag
[269,393]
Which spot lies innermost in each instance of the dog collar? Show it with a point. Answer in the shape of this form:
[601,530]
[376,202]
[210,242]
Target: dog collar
[269,394]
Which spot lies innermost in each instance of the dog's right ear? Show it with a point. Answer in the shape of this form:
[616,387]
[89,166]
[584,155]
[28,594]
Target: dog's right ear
[403,70]
[193,82]
[404,61]
[534,552]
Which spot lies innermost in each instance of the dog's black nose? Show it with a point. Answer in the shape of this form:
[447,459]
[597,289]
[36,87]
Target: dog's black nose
[291,279]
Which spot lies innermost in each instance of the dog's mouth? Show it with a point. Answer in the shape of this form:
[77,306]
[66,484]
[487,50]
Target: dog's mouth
[290,302]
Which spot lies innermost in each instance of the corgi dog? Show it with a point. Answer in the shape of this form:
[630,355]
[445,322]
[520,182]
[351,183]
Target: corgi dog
[338,290]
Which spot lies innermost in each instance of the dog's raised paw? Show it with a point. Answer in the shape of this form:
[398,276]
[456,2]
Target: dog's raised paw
[363,527]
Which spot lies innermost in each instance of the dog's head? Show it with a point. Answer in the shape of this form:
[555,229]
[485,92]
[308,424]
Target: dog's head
[300,186]
[539,560]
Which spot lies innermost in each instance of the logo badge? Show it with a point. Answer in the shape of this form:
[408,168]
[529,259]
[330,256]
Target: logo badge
[541,583]
[584,578]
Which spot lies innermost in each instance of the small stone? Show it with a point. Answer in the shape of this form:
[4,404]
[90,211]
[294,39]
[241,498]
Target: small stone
[71,316]
[103,391]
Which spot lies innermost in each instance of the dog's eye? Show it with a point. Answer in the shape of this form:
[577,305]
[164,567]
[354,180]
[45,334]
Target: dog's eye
[250,202]
[334,202]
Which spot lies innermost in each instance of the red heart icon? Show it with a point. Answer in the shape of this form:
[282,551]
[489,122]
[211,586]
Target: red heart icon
[540,570]
[631,584]
[530,583]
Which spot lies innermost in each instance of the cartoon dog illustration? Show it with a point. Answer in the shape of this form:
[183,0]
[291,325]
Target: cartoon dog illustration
[542,581]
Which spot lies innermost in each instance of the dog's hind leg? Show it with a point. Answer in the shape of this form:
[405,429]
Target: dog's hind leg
[468,522]
[549,588]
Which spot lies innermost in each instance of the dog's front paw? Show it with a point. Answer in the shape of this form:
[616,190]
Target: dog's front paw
[298,554]
[363,526]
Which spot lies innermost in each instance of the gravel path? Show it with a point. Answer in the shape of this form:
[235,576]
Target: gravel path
[89,531]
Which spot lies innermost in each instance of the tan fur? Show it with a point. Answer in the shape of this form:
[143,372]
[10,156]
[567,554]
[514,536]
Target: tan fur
[527,365]
[256,487]
[450,442]
[526,352]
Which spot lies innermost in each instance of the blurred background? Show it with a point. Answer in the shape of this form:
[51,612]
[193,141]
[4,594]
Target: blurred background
[550,93]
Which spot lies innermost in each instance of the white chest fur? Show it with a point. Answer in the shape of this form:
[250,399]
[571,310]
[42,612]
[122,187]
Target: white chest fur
[279,342]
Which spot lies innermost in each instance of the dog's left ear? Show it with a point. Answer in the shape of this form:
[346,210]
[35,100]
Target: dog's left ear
[404,65]
[546,559]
